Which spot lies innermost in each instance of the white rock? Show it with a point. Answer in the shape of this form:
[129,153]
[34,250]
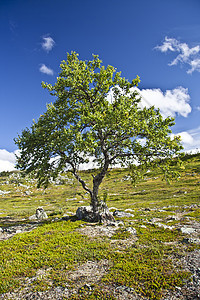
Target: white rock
[187,230]
[131,230]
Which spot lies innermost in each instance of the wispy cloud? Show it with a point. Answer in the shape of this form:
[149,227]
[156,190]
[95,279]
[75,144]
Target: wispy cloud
[44,69]
[13,26]
[48,43]
[187,55]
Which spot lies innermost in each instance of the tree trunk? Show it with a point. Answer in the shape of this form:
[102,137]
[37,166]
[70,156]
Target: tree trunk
[94,198]
[100,210]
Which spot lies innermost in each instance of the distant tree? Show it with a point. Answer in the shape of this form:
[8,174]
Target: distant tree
[86,122]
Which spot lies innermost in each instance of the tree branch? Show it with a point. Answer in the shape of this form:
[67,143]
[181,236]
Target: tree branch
[74,172]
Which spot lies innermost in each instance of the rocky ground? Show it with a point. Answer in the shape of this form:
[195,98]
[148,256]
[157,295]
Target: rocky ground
[90,273]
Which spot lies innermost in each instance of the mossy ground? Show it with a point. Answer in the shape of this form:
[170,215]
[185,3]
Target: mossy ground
[148,263]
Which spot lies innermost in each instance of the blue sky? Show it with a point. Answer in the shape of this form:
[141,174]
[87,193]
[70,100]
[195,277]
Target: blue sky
[157,40]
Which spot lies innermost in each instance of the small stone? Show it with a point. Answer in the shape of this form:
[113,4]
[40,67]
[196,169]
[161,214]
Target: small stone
[165,226]
[191,241]
[122,214]
[131,230]
[65,217]
[143,226]
[27,193]
[33,217]
[59,289]
[112,224]
[172,218]
[187,230]
[87,287]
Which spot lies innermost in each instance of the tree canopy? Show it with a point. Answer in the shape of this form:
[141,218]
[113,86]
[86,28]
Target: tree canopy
[97,114]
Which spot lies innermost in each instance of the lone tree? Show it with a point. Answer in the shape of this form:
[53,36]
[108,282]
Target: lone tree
[97,114]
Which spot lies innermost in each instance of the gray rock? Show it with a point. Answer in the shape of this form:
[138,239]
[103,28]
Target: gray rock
[65,217]
[173,218]
[116,223]
[33,217]
[147,209]
[131,230]
[84,213]
[191,241]
[129,210]
[122,214]
[4,192]
[143,226]
[113,207]
[187,230]
[125,288]
[40,214]
[27,193]
[103,215]
[164,226]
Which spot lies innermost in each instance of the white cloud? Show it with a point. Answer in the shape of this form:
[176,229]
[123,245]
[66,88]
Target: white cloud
[190,140]
[187,55]
[7,160]
[44,69]
[170,103]
[48,43]
[186,138]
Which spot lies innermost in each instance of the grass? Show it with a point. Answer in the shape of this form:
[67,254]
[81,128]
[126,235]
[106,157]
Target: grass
[147,263]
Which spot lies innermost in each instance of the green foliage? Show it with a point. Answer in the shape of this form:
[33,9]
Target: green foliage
[137,173]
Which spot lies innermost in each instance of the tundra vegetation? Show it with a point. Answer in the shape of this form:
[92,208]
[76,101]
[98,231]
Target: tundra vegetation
[97,115]
[74,259]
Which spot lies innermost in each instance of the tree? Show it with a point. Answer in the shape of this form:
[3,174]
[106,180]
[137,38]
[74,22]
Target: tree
[97,114]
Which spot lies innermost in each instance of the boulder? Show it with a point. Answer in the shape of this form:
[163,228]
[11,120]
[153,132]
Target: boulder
[40,213]
[85,213]
[103,215]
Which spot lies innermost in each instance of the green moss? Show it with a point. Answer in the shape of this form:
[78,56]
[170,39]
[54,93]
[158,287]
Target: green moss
[146,271]
[96,294]
[121,234]
[194,214]
[57,246]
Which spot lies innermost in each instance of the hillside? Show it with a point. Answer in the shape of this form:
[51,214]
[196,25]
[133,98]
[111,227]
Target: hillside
[152,251]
